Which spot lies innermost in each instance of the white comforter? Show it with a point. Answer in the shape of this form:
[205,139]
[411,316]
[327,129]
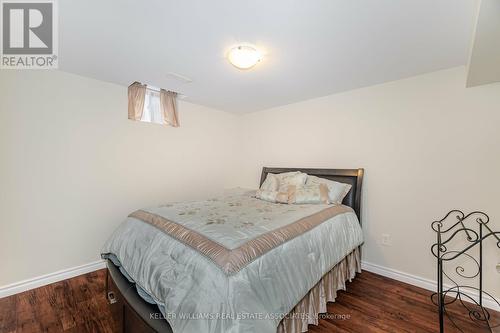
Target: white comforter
[197,295]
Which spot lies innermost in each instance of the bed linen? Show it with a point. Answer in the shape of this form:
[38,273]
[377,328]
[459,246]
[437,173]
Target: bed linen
[307,311]
[232,263]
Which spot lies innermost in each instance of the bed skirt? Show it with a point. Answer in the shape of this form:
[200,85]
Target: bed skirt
[307,311]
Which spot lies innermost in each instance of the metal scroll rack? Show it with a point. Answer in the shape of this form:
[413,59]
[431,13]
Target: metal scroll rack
[464,284]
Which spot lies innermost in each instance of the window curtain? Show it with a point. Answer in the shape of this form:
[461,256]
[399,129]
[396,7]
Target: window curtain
[168,105]
[136,97]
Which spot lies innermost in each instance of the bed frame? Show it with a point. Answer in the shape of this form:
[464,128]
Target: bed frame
[132,314]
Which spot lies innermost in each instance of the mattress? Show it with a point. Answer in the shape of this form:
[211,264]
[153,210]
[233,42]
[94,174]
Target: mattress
[231,263]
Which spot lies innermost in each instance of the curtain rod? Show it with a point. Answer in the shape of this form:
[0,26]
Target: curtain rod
[179,95]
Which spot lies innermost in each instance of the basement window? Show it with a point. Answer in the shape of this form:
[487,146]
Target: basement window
[151,105]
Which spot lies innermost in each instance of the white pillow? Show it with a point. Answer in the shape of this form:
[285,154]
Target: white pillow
[271,183]
[272,196]
[308,194]
[336,191]
[287,179]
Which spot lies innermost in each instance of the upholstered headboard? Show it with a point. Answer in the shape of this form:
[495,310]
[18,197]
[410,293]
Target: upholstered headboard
[349,176]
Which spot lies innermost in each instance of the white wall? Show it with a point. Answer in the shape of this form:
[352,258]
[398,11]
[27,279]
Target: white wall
[427,143]
[484,61]
[73,166]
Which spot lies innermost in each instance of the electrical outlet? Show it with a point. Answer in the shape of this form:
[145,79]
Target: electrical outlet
[386,240]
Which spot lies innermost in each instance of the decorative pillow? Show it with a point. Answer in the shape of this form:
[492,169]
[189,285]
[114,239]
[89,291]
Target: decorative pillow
[272,196]
[271,183]
[286,179]
[336,191]
[308,194]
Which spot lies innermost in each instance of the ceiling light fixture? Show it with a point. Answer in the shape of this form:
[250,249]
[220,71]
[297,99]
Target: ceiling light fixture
[244,56]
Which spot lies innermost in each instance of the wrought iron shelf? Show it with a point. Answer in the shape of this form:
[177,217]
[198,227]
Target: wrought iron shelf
[475,230]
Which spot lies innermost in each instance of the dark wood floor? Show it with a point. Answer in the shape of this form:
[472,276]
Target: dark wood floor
[372,303]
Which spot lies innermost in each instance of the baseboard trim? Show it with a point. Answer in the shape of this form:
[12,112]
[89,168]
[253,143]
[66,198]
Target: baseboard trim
[421,282]
[44,280]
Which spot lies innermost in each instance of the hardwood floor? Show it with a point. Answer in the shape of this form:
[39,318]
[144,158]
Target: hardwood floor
[372,303]
[74,305]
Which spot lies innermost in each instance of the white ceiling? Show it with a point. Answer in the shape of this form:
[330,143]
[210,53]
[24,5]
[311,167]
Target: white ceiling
[313,47]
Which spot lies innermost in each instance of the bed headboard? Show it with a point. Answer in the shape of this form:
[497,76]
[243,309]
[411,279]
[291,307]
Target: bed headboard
[349,176]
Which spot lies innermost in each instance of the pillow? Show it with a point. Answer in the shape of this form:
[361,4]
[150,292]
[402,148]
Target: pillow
[271,183]
[336,191]
[287,179]
[308,194]
[272,196]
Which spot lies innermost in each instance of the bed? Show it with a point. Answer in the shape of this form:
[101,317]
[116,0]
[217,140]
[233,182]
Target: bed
[247,266]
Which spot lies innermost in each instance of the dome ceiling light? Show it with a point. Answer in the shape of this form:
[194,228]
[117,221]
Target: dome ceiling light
[244,56]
